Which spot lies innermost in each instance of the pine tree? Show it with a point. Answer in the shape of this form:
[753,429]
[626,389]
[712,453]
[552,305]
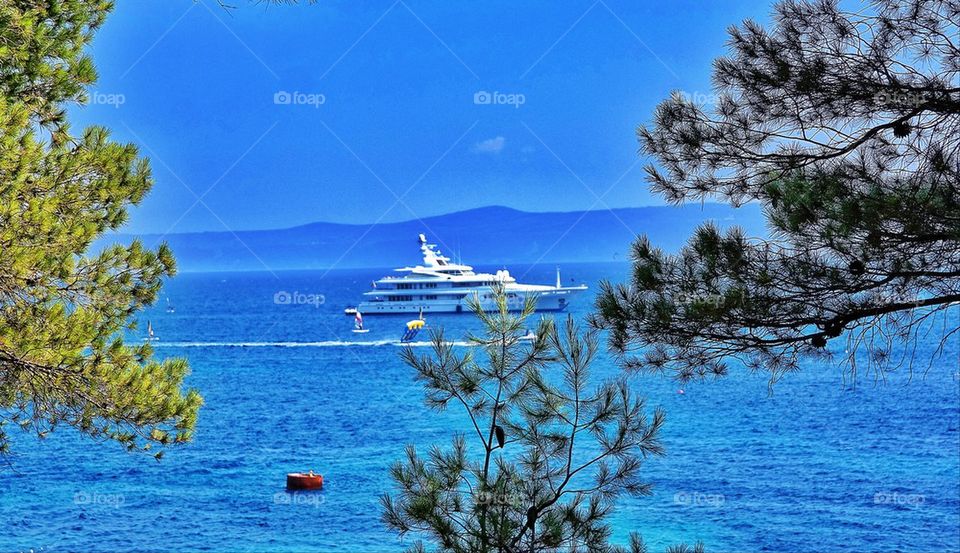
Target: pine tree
[845,128]
[62,307]
[546,453]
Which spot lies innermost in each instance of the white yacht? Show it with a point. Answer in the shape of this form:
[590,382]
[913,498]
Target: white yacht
[439,286]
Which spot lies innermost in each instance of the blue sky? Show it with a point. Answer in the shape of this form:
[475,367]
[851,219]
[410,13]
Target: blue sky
[385,116]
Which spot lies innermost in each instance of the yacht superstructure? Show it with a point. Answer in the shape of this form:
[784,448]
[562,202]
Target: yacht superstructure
[439,286]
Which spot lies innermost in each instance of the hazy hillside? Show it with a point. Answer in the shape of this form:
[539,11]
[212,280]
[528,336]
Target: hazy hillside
[489,235]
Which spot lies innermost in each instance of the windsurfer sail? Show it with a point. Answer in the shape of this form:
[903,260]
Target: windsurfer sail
[358,323]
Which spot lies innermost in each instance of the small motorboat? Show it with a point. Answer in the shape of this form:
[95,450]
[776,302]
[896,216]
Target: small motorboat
[304,481]
[358,323]
[529,336]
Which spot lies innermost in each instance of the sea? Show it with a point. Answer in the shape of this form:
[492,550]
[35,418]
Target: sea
[820,462]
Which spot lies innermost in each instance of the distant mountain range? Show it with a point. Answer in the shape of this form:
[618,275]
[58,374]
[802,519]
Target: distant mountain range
[484,236]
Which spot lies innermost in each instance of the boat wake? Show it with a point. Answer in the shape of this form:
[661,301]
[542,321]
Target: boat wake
[324,344]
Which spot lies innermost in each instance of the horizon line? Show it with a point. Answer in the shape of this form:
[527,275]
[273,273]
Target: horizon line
[687,205]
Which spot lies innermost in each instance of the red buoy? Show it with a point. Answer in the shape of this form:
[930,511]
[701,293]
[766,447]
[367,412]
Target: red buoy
[304,481]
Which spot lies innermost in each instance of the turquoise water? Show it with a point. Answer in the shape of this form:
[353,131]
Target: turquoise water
[816,466]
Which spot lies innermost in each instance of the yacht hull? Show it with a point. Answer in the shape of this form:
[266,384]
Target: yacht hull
[439,286]
[545,302]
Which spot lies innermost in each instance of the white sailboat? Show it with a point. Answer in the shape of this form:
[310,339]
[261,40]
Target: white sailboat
[150,336]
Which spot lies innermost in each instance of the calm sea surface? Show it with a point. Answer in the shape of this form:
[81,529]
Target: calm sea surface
[818,465]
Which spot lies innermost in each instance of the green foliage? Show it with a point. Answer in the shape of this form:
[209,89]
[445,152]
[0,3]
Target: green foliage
[42,62]
[843,126]
[545,455]
[62,308]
